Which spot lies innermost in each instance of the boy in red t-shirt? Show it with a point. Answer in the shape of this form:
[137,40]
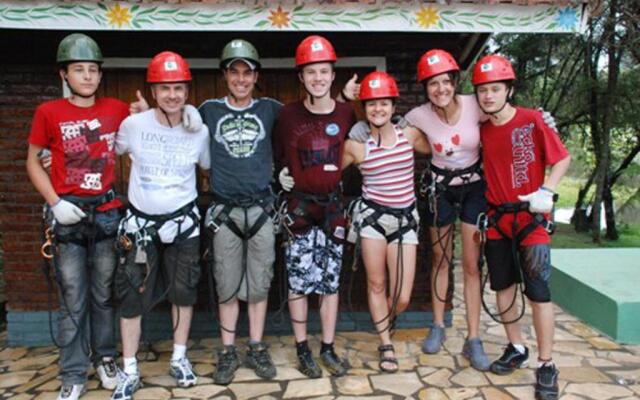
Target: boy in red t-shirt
[517,147]
[80,133]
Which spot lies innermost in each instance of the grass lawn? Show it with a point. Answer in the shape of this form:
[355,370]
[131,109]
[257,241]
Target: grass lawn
[566,237]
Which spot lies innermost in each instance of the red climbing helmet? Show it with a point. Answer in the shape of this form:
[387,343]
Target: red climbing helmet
[378,85]
[314,49]
[168,67]
[435,62]
[492,68]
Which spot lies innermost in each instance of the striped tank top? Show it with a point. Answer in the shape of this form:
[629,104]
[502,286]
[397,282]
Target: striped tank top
[387,173]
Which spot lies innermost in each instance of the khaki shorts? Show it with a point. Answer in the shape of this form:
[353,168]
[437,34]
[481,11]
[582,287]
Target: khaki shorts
[388,222]
[231,281]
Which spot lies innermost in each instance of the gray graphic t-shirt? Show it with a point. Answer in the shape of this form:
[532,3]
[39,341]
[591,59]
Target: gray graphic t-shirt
[241,153]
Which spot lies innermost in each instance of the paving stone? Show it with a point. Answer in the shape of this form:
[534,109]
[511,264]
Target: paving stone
[602,343]
[432,394]
[47,396]
[205,356]
[283,356]
[583,375]
[364,397]
[22,396]
[153,368]
[469,377]
[574,349]
[97,395]
[492,393]
[210,343]
[244,374]
[632,376]
[519,377]
[424,371]
[162,346]
[353,385]
[440,378]
[362,372]
[12,353]
[308,388]
[153,393]
[36,382]
[35,363]
[454,344]
[635,388]
[403,384]
[359,336]
[198,392]
[288,373]
[435,360]
[561,334]
[598,391]
[251,390]
[50,386]
[580,329]
[203,369]
[160,380]
[11,379]
[461,393]
[623,358]
[521,392]
[601,362]
[564,361]
[93,384]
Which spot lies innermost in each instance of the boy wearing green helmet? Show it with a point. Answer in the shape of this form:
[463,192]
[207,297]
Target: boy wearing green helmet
[80,133]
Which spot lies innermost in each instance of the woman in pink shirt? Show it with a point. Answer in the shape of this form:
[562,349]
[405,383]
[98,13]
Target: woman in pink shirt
[455,190]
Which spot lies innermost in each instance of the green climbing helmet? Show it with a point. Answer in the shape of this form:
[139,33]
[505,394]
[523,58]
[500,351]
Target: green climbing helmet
[239,49]
[78,47]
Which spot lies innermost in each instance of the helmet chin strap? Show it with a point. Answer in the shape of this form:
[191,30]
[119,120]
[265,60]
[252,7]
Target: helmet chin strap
[166,116]
[74,93]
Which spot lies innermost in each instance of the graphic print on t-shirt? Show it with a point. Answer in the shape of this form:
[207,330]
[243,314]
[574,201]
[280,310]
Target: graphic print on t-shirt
[522,148]
[240,134]
[77,137]
[164,155]
[448,148]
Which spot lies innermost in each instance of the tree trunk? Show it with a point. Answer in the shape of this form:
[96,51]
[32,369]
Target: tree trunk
[609,212]
[579,218]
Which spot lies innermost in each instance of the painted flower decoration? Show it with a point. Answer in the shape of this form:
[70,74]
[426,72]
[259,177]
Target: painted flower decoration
[427,16]
[118,15]
[279,18]
[567,18]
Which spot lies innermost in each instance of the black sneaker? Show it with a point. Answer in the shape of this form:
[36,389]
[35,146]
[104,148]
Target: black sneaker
[228,363]
[308,366]
[333,363]
[511,360]
[259,360]
[547,382]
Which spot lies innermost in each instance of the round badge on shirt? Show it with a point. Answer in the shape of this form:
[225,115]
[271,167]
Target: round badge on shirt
[332,129]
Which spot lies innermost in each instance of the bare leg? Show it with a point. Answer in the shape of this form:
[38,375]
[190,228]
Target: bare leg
[543,322]
[504,300]
[183,325]
[329,316]
[472,283]
[229,312]
[298,309]
[442,245]
[404,273]
[130,329]
[257,315]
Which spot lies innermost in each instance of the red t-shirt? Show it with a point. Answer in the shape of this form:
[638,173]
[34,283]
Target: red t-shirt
[82,144]
[515,156]
[311,145]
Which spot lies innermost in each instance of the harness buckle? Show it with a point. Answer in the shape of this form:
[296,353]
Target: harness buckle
[482,222]
[550,227]
[213,226]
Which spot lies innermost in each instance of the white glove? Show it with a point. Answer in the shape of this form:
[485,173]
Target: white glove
[191,119]
[286,180]
[360,132]
[548,119]
[540,201]
[67,213]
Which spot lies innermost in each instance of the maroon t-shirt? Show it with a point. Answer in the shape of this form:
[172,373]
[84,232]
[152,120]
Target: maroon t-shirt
[311,145]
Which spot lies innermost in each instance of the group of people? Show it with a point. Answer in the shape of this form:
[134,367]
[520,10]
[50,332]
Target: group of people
[488,168]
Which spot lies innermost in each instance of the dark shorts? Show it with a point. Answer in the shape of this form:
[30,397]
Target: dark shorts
[535,261]
[173,269]
[460,201]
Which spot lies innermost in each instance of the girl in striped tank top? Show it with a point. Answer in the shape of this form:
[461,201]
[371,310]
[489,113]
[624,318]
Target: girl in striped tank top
[385,220]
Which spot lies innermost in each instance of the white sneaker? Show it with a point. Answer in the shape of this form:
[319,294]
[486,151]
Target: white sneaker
[127,385]
[71,392]
[183,372]
[107,371]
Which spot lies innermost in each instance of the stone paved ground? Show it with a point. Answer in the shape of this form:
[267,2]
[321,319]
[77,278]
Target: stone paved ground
[591,367]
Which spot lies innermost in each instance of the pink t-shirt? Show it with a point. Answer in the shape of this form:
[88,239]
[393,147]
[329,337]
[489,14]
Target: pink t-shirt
[453,146]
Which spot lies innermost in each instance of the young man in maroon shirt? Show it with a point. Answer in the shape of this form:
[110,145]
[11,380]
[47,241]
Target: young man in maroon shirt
[310,135]
[517,147]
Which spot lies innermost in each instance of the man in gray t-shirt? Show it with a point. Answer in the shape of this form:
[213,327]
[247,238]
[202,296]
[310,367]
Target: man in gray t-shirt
[244,241]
